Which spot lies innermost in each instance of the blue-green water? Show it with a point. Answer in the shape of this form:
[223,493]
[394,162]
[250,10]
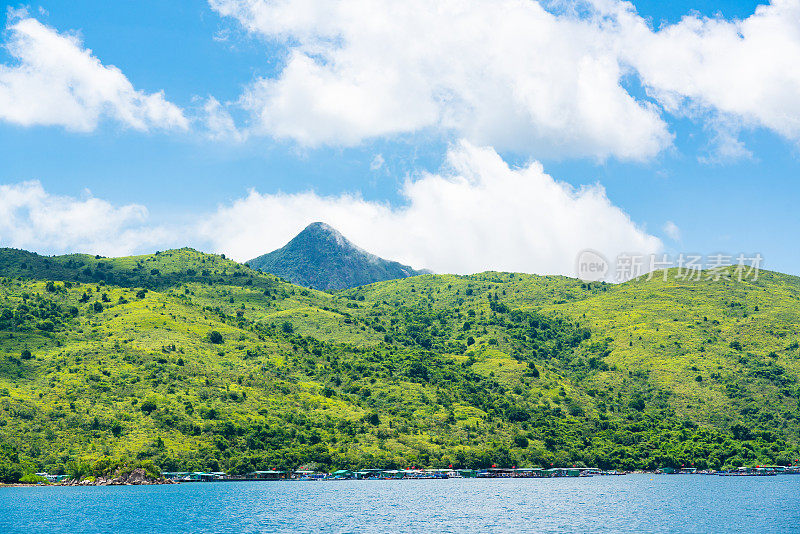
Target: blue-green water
[633,503]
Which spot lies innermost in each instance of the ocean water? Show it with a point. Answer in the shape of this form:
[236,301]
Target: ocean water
[632,503]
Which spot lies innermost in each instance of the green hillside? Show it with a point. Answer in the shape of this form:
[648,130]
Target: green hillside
[184,360]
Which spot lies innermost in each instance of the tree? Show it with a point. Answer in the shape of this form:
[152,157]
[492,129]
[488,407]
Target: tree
[418,370]
[116,428]
[9,472]
[517,414]
[148,406]
[215,337]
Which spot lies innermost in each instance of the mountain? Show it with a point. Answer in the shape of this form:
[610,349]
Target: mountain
[322,258]
[188,361]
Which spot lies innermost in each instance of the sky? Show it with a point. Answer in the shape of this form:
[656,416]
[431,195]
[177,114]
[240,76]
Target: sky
[455,135]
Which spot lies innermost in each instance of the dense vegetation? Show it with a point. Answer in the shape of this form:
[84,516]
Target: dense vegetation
[184,361]
[322,258]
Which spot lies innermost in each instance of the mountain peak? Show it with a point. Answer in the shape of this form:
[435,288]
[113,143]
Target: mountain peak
[321,230]
[321,227]
[322,258]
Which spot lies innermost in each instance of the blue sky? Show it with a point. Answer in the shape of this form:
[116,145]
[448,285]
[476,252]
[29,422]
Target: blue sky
[194,182]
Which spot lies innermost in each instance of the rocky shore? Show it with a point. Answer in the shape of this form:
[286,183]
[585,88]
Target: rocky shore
[137,477]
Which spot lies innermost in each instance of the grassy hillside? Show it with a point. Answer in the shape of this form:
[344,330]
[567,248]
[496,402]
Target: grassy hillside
[154,271]
[190,361]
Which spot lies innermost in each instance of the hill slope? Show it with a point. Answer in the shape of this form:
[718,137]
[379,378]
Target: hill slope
[322,258]
[433,370]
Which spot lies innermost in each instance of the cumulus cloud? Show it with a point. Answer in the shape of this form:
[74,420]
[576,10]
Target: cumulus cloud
[54,80]
[741,70]
[33,219]
[506,73]
[477,214]
[518,76]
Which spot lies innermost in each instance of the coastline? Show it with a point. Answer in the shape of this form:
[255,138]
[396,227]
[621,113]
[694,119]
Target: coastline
[137,477]
[140,478]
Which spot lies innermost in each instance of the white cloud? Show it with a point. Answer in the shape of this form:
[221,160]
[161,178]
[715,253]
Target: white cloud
[724,145]
[672,231]
[219,124]
[32,219]
[503,73]
[478,214]
[513,75]
[743,70]
[53,80]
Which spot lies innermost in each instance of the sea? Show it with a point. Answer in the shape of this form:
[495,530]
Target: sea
[630,503]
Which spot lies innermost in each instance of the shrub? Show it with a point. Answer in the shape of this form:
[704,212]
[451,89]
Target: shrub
[516,414]
[534,370]
[116,428]
[574,408]
[215,337]
[418,370]
[31,478]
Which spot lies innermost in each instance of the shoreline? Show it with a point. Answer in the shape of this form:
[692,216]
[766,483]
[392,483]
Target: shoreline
[102,481]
